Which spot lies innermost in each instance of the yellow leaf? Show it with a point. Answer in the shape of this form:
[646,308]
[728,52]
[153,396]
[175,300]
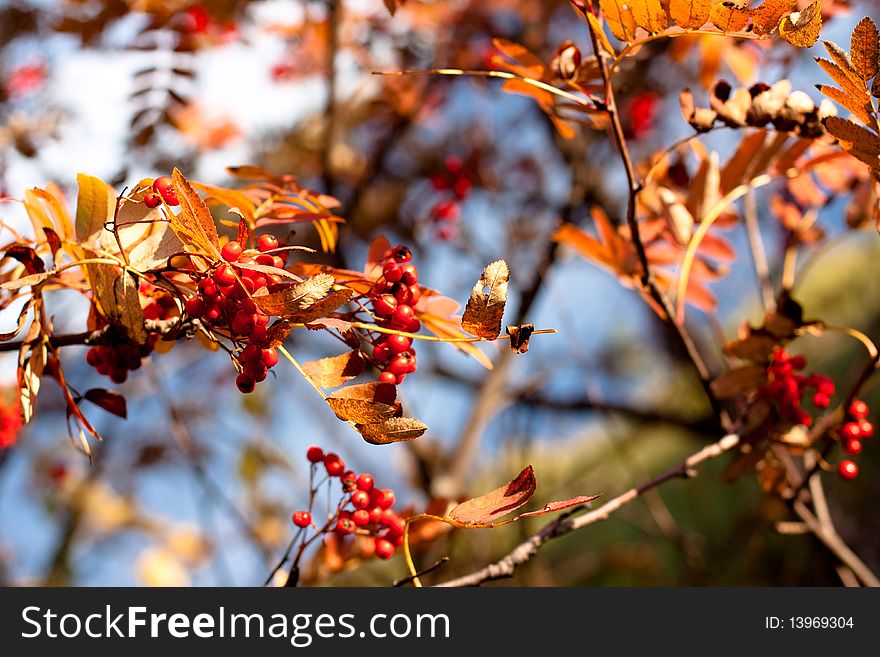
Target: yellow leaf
[194,224]
[95,205]
[620,19]
[729,16]
[690,14]
[802,28]
[649,14]
[865,49]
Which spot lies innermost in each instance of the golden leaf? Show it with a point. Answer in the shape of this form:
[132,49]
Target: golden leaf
[729,16]
[620,19]
[802,28]
[864,48]
[690,14]
[766,18]
[649,14]
[95,205]
[484,310]
[194,224]
[856,140]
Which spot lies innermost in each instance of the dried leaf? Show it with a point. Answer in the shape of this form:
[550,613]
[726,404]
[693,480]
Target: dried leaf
[394,430]
[856,140]
[844,80]
[802,28]
[729,16]
[551,507]
[490,507]
[376,391]
[690,14]
[293,299]
[756,348]
[485,308]
[360,411]
[95,205]
[766,18]
[194,224]
[519,337]
[864,48]
[110,400]
[862,110]
[739,381]
[335,371]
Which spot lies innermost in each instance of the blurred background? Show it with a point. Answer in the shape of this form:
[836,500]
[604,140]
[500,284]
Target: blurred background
[198,485]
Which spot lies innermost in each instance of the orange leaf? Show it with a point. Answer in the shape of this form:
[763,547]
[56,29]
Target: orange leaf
[488,508]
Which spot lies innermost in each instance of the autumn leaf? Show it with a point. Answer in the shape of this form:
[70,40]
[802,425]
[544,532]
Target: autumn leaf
[690,14]
[729,16]
[117,295]
[485,308]
[739,381]
[552,507]
[856,140]
[95,205]
[802,28]
[519,337]
[110,400]
[334,371]
[490,507]
[394,430]
[526,64]
[366,403]
[865,49]
[766,18]
[194,224]
[620,19]
[293,299]
[649,15]
[437,314]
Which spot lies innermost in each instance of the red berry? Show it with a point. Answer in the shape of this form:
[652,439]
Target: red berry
[278,263]
[170,197]
[361,518]
[446,211]
[462,187]
[230,251]
[825,386]
[821,401]
[410,274]
[847,470]
[302,518]
[403,315]
[345,526]
[261,320]
[388,377]
[852,446]
[225,275]
[335,466]
[207,287]
[315,454]
[195,307]
[250,354]
[398,343]
[348,480]
[93,357]
[387,500]
[269,357]
[401,364]
[376,515]
[866,429]
[242,323]
[453,164]
[360,499]
[858,409]
[365,481]
[851,430]
[267,243]
[392,272]
[384,305]
[259,334]
[245,383]
[162,183]
[152,201]
[382,352]
[265,259]
[384,548]
[401,254]
[798,362]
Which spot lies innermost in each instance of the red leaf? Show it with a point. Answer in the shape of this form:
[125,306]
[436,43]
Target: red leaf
[488,508]
[110,400]
[550,507]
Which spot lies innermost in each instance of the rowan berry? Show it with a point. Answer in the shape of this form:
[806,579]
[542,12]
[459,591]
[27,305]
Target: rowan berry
[365,481]
[360,499]
[267,243]
[384,548]
[858,409]
[334,465]
[302,519]
[848,470]
[315,454]
[230,251]
[852,446]
[152,201]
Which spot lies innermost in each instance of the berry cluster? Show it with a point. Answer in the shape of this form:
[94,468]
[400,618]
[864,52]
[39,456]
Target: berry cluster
[163,190]
[851,433]
[364,509]
[224,301]
[10,424]
[788,387]
[118,359]
[394,296]
[455,183]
